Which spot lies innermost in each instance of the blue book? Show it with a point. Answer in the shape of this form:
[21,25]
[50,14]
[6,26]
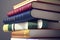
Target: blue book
[23,17]
[33,14]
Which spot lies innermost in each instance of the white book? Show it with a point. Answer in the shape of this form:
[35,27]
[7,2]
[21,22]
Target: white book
[22,39]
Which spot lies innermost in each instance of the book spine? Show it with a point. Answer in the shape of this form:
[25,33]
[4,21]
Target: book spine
[13,36]
[23,3]
[23,17]
[46,6]
[19,10]
[26,25]
[41,14]
[23,39]
[20,32]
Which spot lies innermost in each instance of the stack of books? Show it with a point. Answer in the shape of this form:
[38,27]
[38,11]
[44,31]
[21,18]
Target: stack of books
[31,14]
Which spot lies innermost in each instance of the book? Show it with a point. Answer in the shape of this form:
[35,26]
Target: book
[21,7]
[23,3]
[40,34]
[39,24]
[41,14]
[44,1]
[37,5]
[33,14]
[23,39]
[19,10]
[46,7]
[20,33]
[23,17]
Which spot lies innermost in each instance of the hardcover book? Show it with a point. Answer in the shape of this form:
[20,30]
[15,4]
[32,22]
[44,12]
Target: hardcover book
[33,14]
[39,34]
[19,10]
[23,17]
[46,6]
[23,39]
[23,3]
[28,1]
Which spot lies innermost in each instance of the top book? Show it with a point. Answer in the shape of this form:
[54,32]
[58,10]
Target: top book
[23,3]
[29,4]
[28,1]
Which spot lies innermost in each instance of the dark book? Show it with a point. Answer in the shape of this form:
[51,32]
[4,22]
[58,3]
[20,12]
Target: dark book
[32,15]
[23,17]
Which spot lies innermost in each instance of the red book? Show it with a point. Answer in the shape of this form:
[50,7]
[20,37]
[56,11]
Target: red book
[47,6]
[20,9]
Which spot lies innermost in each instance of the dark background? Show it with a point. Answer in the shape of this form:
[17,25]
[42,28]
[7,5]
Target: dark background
[6,6]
